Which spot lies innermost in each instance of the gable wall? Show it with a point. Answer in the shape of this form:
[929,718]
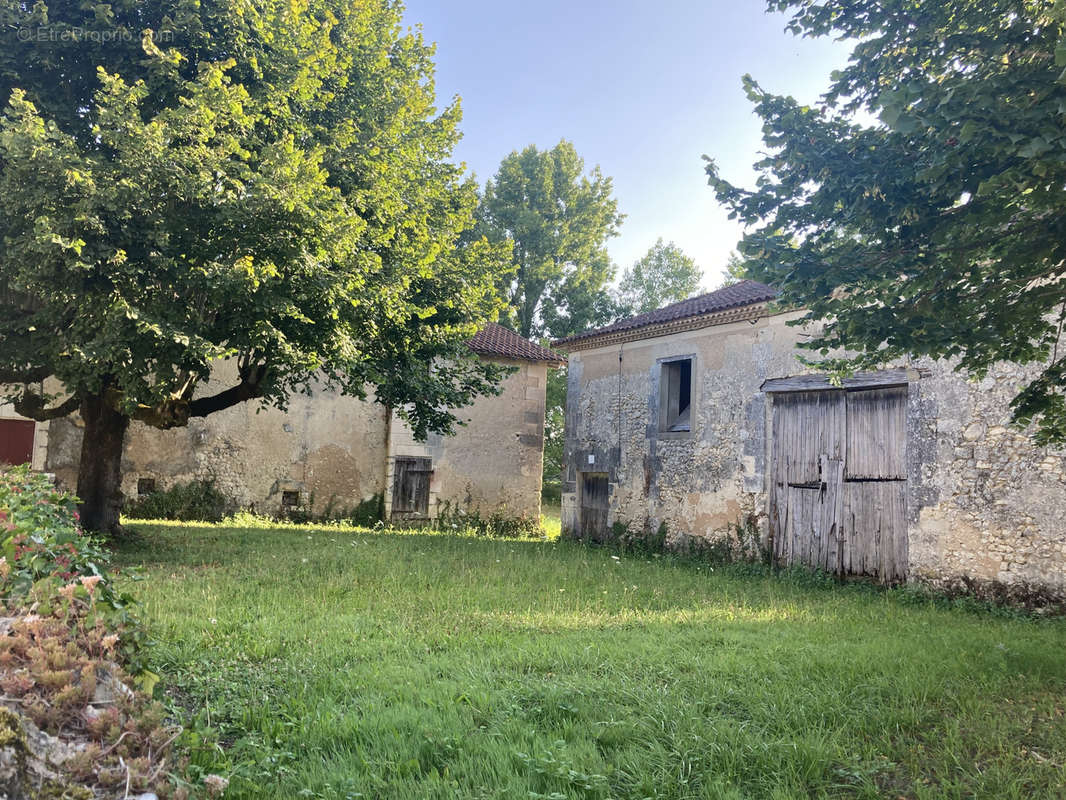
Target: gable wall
[494,463]
[984,502]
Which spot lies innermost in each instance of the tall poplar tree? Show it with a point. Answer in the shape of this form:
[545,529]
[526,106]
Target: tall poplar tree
[557,219]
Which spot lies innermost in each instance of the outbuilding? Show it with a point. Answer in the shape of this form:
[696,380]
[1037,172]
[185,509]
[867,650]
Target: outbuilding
[328,451]
[702,418]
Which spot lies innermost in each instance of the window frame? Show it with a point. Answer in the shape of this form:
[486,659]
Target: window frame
[663,365]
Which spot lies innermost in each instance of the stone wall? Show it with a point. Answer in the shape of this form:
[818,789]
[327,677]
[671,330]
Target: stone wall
[697,483]
[983,501]
[493,463]
[335,451]
[328,447]
[994,503]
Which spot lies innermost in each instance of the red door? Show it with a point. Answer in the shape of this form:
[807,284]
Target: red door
[16,441]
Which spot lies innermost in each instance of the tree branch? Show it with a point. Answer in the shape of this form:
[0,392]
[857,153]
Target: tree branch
[245,390]
[32,405]
[176,412]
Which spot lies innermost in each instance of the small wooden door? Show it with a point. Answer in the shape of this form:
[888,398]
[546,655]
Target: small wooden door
[594,506]
[839,480]
[410,487]
[16,441]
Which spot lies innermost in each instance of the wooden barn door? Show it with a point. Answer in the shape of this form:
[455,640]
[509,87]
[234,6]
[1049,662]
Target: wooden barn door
[594,506]
[839,480]
[410,487]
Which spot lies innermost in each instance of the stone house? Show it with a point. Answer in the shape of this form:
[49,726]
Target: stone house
[331,451]
[700,417]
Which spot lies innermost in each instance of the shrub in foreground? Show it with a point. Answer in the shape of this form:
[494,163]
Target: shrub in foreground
[456,518]
[195,501]
[71,712]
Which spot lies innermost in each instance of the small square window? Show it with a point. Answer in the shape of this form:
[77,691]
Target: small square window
[675,389]
[290,500]
[145,486]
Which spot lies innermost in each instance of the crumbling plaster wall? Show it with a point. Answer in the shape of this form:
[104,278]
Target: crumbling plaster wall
[984,503]
[325,445]
[698,483]
[993,505]
[493,463]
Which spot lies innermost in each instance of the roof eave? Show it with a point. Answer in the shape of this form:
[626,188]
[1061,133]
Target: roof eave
[748,312]
[556,361]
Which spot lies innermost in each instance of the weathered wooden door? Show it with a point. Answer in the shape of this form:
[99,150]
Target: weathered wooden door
[410,487]
[839,480]
[594,506]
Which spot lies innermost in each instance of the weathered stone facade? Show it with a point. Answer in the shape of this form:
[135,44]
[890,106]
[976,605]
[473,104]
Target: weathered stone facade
[983,502]
[494,464]
[993,503]
[336,451]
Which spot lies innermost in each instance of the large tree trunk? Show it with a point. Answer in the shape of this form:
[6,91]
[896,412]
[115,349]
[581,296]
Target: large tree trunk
[100,470]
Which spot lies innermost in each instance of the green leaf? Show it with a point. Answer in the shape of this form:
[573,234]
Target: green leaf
[146,681]
[886,246]
[905,124]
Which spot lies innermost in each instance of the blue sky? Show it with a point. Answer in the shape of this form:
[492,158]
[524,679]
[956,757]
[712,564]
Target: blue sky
[641,87]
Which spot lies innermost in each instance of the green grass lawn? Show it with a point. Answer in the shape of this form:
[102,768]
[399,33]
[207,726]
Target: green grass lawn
[340,664]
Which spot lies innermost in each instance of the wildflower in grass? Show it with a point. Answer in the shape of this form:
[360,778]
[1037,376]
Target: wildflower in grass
[5,568]
[89,582]
[110,641]
[68,591]
[215,784]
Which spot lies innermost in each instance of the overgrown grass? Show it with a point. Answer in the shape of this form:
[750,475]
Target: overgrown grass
[551,520]
[341,664]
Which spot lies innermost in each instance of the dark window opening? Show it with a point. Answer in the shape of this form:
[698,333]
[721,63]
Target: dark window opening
[290,500]
[676,401]
[145,486]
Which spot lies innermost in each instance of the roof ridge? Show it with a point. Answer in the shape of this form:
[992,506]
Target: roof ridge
[495,340]
[743,293]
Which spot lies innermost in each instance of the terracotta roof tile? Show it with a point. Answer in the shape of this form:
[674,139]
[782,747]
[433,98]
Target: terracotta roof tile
[739,294]
[496,340]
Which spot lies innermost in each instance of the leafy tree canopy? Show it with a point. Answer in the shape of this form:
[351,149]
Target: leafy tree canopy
[557,219]
[661,276]
[736,270]
[267,183]
[939,232]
